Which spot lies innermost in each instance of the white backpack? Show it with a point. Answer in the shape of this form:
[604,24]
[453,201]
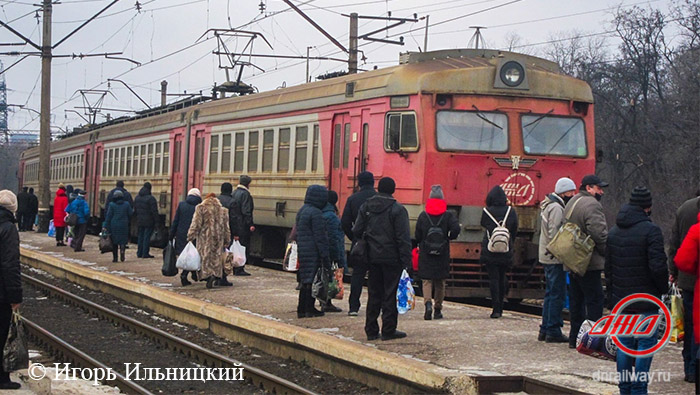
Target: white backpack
[499,239]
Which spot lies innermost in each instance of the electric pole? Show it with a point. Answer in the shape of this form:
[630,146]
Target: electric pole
[352,59]
[45,121]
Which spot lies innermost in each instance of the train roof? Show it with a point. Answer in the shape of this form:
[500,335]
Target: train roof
[459,71]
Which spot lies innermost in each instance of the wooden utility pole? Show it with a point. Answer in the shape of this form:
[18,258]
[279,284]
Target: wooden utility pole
[425,42]
[352,59]
[45,122]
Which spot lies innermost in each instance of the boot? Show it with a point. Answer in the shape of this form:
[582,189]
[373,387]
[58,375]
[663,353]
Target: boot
[223,282]
[183,279]
[329,308]
[428,311]
[114,255]
[210,282]
[122,251]
[438,314]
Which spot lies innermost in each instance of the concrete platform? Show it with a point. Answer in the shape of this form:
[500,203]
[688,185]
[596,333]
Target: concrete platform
[436,353]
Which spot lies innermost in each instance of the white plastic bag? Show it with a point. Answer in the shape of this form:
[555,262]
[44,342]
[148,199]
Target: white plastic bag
[238,254]
[291,260]
[189,259]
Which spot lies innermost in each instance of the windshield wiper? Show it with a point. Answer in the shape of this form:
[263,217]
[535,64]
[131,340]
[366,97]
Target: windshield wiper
[539,118]
[483,117]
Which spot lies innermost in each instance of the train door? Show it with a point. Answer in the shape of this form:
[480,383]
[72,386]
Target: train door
[177,179]
[199,151]
[96,174]
[363,158]
[340,153]
[87,168]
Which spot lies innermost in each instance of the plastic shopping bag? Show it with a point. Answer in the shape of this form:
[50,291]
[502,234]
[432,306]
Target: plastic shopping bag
[405,295]
[15,355]
[169,269]
[189,259]
[105,242]
[678,332]
[227,261]
[291,258]
[52,229]
[320,286]
[238,254]
[596,347]
[337,289]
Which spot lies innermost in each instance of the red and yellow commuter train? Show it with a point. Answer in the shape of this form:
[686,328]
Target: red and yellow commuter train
[466,119]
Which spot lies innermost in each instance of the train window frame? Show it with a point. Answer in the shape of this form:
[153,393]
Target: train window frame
[268,151]
[238,153]
[166,158]
[477,113]
[301,148]
[149,159]
[282,164]
[387,140]
[543,115]
[226,151]
[347,128]
[337,130]
[315,147]
[129,161]
[256,150]
[214,142]
[157,159]
[142,165]
[136,161]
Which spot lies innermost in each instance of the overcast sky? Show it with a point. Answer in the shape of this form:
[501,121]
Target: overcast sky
[172,27]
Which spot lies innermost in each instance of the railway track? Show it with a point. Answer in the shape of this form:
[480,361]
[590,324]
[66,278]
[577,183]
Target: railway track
[260,378]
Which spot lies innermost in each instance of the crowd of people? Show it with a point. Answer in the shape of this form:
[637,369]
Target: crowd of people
[630,255]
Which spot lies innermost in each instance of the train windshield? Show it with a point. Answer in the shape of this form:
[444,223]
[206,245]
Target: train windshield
[472,131]
[553,135]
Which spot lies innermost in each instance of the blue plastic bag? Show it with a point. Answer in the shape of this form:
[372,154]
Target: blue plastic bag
[52,229]
[405,295]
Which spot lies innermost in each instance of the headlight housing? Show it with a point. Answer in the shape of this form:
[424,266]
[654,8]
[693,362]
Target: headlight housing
[512,74]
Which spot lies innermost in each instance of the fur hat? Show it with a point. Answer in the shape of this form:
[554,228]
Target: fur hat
[564,184]
[641,197]
[365,178]
[436,192]
[245,180]
[8,200]
[194,192]
[61,186]
[387,185]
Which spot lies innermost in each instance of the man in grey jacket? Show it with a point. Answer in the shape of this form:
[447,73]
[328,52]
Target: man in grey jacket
[552,219]
[586,292]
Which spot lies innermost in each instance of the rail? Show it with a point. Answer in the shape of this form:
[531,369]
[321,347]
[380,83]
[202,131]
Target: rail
[258,377]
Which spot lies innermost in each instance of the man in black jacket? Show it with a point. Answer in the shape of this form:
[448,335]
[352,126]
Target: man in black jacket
[146,210]
[10,280]
[635,262]
[33,210]
[22,208]
[125,193]
[226,200]
[383,222]
[686,216]
[365,181]
[241,215]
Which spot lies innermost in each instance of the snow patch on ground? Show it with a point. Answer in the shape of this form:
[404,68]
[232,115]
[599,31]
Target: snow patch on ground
[267,316]
[29,246]
[121,273]
[162,285]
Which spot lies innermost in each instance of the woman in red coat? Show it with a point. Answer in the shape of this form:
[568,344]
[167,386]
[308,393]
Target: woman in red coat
[688,260]
[59,214]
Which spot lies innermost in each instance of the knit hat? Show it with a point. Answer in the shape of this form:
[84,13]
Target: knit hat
[386,185]
[61,186]
[564,184]
[245,180]
[8,200]
[226,187]
[365,178]
[195,192]
[332,197]
[147,185]
[118,194]
[641,197]
[436,192]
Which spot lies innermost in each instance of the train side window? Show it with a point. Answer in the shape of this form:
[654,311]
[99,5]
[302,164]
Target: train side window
[314,152]
[301,148]
[150,159]
[253,145]
[346,145]
[176,156]
[142,165]
[129,162]
[226,153]
[268,148]
[283,153]
[336,146]
[166,158]
[157,170]
[104,163]
[136,160]
[400,132]
[214,154]
[110,164]
[239,153]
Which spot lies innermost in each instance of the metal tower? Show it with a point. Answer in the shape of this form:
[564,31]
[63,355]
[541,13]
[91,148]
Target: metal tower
[3,105]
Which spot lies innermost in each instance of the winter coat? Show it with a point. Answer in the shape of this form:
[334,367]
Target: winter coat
[11,287]
[117,222]
[635,260]
[496,204]
[146,209]
[352,208]
[242,206]
[23,202]
[226,201]
[81,208]
[688,260]
[686,216]
[552,214]
[588,215]
[435,267]
[384,224]
[182,221]
[210,228]
[312,235]
[59,208]
[33,204]
[336,237]
[127,196]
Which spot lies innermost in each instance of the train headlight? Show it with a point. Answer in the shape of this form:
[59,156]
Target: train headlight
[512,74]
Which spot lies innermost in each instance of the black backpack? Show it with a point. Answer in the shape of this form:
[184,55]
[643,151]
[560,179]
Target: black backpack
[435,240]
